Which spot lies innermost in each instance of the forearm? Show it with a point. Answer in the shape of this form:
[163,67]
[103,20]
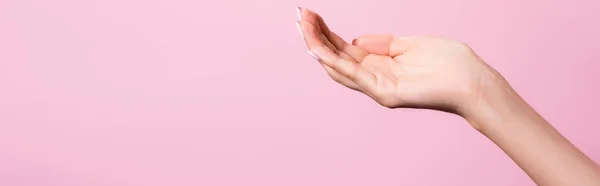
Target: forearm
[539,149]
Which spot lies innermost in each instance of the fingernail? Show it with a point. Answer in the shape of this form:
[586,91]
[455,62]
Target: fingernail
[300,29]
[299,13]
[313,55]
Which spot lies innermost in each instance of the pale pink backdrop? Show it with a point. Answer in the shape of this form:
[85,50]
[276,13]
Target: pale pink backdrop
[223,93]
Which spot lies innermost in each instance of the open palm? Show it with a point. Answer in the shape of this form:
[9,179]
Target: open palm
[415,72]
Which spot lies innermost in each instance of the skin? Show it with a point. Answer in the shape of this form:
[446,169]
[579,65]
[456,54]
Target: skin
[446,75]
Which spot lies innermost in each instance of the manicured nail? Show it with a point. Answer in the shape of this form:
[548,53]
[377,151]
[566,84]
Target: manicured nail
[299,13]
[300,29]
[313,55]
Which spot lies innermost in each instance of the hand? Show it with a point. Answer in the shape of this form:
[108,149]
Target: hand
[442,74]
[413,72]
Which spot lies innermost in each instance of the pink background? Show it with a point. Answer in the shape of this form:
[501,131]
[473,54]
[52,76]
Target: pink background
[223,93]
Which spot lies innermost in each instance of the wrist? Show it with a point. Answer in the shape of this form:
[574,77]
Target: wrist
[493,103]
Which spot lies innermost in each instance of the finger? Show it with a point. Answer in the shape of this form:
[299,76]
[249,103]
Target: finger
[347,57]
[341,79]
[311,36]
[328,43]
[312,41]
[383,44]
[322,39]
[309,16]
[321,36]
[315,19]
[340,44]
[353,71]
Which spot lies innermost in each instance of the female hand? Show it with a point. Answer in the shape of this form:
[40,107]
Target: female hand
[442,74]
[414,72]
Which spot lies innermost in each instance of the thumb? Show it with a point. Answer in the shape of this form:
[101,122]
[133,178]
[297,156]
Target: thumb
[382,44]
